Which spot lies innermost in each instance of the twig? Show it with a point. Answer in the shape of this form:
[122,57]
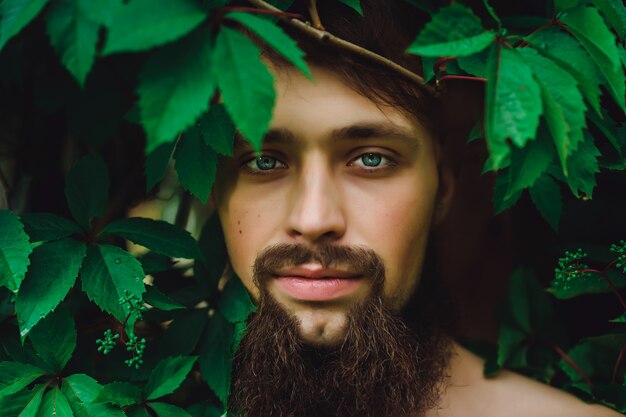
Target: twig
[618,362]
[315,17]
[572,364]
[254,10]
[330,39]
[461,77]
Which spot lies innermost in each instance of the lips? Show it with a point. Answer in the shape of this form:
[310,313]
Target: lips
[312,282]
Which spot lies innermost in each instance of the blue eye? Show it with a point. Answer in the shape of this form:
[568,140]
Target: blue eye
[264,163]
[371,159]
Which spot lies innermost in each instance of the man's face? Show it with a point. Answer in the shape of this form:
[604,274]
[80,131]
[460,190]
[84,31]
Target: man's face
[335,170]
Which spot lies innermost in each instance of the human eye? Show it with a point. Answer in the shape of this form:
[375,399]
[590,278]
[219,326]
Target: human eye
[371,161]
[263,164]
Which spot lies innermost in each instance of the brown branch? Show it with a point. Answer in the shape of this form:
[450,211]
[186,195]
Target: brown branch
[329,39]
[315,17]
[254,10]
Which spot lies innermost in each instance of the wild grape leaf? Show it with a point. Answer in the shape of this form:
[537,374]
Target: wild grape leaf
[53,271]
[585,284]
[23,403]
[589,28]
[87,189]
[122,394]
[216,356]
[156,163]
[144,24]
[54,339]
[183,333]
[153,262]
[502,198]
[513,104]
[168,375]
[582,167]
[529,163]
[168,410]
[14,251]
[453,31]
[15,376]
[615,12]
[108,272]
[196,164]
[475,64]
[157,299]
[564,109]
[546,195]
[561,5]
[235,303]
[157,235]
[275,37]
[218,130]
[55,404]
[47,226]
[175,87]
[73,32]
[16,15]
[245,83]
[571,56]
[81,390]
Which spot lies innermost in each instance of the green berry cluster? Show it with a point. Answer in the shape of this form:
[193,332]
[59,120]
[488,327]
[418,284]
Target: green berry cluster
[108,342]
[570,267]
[136,304]
[137,346]
[620,250]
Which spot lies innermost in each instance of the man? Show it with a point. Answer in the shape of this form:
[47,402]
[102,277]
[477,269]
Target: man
[328,229]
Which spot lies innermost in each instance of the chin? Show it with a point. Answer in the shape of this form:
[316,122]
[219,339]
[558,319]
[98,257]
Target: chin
[322,327]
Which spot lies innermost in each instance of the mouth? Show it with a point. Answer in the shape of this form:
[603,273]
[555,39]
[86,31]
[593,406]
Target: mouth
[312,282]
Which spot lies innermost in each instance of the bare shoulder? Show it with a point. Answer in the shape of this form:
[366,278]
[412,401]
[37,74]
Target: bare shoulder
[507,394]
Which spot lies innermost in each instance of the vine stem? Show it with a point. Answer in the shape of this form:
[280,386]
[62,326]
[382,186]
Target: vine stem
[571,363]
[618,362]
[254,10]
[329,39]
[461,77]
[608,281]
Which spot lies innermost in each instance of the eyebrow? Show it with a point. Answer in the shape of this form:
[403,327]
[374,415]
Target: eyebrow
[357,131]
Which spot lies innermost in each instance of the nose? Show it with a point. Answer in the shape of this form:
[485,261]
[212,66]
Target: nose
[317,214]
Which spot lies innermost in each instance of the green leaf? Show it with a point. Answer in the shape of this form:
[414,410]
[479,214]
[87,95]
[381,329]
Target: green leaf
[157,235]
[513,103]
[582,167]
[561,5]
[153,262]
[204,410]
[475,64]
[354,4]
[585,284]
[615,12]
[16,15]
[47,226]
[74,34]
[529,163]
[571,56]
[144,24]
[137,411]
[453,31]
[564,109]
[216,356]
[54,339]
[245,83]
[55,404]
[107,273]
[196,164]
[619,319]
[87,189]
[235,303]
[15,376]
[119,393]
[275,37]
[182,335]
[14,251]
[168,375]
[157,299]
[168,410]
[81,390]
[502,198]
[156,163]
[589,28]
[23,403]
[175,87]
[53,272]
[546,195]
[218,130]
[214,255]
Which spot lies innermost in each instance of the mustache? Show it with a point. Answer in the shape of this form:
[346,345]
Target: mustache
[358,259]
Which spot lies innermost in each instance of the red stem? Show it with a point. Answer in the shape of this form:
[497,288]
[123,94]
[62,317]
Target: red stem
[461,77]
[254,10]
[572,364]
[608,282]
[618,362]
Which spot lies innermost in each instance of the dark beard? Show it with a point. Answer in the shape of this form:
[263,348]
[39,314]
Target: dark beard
[382,368]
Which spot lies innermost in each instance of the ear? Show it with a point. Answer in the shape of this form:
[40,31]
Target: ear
[445,192]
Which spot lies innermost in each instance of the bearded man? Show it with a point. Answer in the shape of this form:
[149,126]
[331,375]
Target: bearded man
[328,229]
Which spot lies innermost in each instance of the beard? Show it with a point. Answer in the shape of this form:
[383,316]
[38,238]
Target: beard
[386,365]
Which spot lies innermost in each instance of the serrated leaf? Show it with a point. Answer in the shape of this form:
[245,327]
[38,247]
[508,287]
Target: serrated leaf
[16,15]
[157,235]
[14,251]
[216,356]
[47,226]
[81,390]
[15,376]
[546,195]
[168,375]
[156,163]
[87,189]
[74,34]
[475,64]
[175,87]
[157,299]
[23,403]
[119,393]
[571,56]
[586,284]
[218,131]
[564,109]
[513,103]
[582,167]
[108,272]
[615,12]
[54,339]
[55,404]
[52,274]
[529,163]
[453,31]
[144,24]
[502,199]
[235,303]
[245,83]
[182,335]
[168,410]
[589,28]
[275,37]
[196,164]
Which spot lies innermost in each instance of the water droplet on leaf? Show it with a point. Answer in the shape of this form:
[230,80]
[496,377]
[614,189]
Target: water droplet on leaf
[118,261]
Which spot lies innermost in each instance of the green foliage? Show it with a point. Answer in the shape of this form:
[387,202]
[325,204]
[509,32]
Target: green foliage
[87,189]
[14,251]
[16,14]
[196,164]
[168,375]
